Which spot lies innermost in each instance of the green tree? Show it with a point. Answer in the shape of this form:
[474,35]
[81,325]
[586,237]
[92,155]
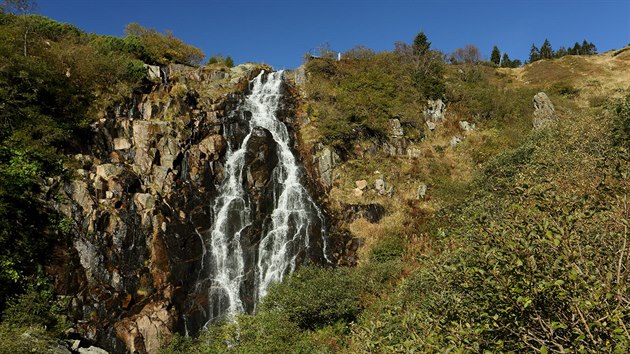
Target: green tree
[421,44]
[229,62]
[577,49]
[165,48]
[505,61]
[546,52]
[562,51]
[588,48]
[21,8]
[534,54]
[495,57]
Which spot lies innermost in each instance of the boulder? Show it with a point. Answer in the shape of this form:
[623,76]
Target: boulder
[435,111]
[357,192]
[455,141]
[144,201]
[167,147]
[421,191]
[327,159]
[379,185]
[466,126]
[153,72]
[213,146]
[361,184]
[92,350]
[121,144]
[80,194]
[395,128]
[430,125]
[260,160]
[149,330]
[544,112]
[107,171]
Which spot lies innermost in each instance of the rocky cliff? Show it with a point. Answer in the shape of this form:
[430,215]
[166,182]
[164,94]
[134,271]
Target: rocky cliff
[140,205]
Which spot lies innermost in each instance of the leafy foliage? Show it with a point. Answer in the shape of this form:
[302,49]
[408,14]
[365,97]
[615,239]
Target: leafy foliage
[358,95]
[164,48]
[48,96]
[315,297]
[535,260]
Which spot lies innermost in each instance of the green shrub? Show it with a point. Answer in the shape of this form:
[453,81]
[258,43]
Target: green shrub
[25,340]
[315,297]
[36,307]
[565,88]
[621,123]
[390,248]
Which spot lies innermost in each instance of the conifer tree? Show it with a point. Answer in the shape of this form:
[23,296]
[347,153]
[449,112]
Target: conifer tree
[495,57]
[421,44]
[546,52]
[505,62]
[561,52]
[534,54]
[229,62]
[577,50]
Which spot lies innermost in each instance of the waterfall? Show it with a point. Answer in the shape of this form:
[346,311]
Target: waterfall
[248,251]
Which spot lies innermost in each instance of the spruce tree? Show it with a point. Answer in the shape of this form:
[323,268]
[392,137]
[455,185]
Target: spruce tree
[495,57]
[577,50]
[229,62]
[546,52]
[561,52]
[534,54]
[421,44]
[505,62]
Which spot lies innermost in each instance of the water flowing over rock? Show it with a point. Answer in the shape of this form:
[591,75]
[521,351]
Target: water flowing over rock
[199,157]
[266,223]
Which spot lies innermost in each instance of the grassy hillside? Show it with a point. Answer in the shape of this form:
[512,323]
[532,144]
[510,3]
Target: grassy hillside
[519,245]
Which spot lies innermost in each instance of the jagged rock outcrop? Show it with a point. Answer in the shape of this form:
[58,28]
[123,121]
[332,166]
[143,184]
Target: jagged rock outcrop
[435,111]
[140,198]
[544,112]
[325,159]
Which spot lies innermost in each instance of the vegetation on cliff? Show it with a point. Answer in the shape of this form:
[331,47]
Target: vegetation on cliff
[520,245]
[54,81]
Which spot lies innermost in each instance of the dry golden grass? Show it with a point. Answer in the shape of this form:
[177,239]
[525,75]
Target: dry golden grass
[449,170]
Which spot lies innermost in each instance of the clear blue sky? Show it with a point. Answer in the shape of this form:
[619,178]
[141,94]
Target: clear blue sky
[279,32]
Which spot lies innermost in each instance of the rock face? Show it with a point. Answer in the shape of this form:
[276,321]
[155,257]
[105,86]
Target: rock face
[325,160]
[544,112]
[142,201]
[373,213]
[435,111]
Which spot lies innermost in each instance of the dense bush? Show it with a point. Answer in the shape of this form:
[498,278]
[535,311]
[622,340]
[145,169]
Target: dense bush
[316,297]
[621,123]
[357,96]
[536,260]
[163,48]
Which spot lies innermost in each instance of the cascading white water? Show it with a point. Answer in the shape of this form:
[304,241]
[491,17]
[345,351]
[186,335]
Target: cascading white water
[286,235]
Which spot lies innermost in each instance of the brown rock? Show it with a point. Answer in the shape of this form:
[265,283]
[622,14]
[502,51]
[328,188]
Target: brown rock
[361,184]
[149,330]
[213,146]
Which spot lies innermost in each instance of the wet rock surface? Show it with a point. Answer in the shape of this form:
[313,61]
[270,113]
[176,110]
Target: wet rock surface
[140,206]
